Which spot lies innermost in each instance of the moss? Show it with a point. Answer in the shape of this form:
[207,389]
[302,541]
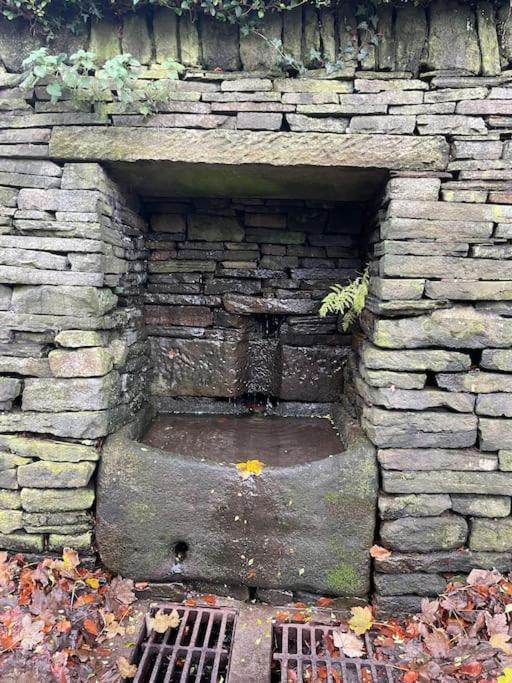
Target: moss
[344,580]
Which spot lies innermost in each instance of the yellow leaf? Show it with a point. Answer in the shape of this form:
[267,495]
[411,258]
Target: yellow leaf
[67,566]
[250,468]
[506,676]
[361,620]
[93,582]
[126,669]
[162,621]
[500,642]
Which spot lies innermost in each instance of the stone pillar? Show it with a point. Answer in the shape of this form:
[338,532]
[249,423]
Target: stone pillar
[434,376]
[71,265]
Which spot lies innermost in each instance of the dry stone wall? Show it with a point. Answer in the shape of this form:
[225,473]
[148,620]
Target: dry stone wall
[434,371]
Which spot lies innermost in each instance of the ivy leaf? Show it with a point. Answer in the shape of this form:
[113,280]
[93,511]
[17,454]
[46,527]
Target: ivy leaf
[54,90]
[361,620]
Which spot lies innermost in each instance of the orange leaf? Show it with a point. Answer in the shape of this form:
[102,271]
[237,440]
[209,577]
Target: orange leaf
[472,669]
[282,616]
[90,627]
[411,677]
[140,585]
[300,605]
[64,626]
[324,602]
[210,599]
[378,552]
[190,602]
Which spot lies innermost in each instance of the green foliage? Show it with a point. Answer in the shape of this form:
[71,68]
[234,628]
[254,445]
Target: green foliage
[347,301]
[88,82]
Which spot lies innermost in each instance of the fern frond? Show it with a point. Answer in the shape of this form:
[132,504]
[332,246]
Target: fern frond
[347,300]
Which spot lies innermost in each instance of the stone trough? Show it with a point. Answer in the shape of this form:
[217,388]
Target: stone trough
[183,512]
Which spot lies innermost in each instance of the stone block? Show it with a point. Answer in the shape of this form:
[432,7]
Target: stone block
[21,542]
[165,34]
[80,542]
[311,373]
[434,360]
[248,305]
[10,520]
[390,378]
[419,505]
[10,388]
[497,359]
[47,449]
[451,561]
[397,605]
[258,121]
[8,479]
[453,39]
[258,53]
[424,534]
[481,506]
[491,535]
[482,483]
[77,425]
[468,149]
[505,460]
[451,124]
[214,228]
[76,339]
[494,405]
[395,289]
[272,236]
[390,428]
[10,500]
[411,228]
[199,367]
[47,474]
[135,38]
[220,44]
[60,200]
[476,381]
[27,276]
[495,434]
[10,460]
[193,316]
[488,38]
[469,290]
[411,30]
[56,500]
[403,399]
[415,584]
[63,300]
[59,395]
[459,327]
[437,266]
[86,362]
[329,124]
[28,258]
[426,189]
[104,39]
[450,211]
[395,125]
[469,459]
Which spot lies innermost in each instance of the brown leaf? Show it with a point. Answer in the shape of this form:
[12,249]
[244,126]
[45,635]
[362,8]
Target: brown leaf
[31,632]
[126,669]
[437,643]
[163,621]
[378,552]
[348,643]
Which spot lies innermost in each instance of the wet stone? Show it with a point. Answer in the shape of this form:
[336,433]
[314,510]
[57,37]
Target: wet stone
[424,533]
[416,584]
[481,506]
[420,505]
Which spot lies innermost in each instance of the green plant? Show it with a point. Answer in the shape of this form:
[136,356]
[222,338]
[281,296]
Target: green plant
[88,82]
[347,300]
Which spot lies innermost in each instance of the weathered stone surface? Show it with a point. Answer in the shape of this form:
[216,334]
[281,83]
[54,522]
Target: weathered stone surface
[405,428]
[495,434]
[497,359]
[10,388]
[437,266]
[390,378]
[47,449]
[104,39]
[410,36]
[137,540]
[165,33]
[247,305]
[135,38]
[257,53]
[301,123]
[10,520]
[488,483]
[397,125]
[57,542]
[214,229]
[190,47]
[63,300]
[78,425]
[8,479]
[220,44]
[455,561]
[397,605]
[410,228]
[258,121]
[199,316]
[311,374]
[56,395]
[435,360]
[28,258]
[76,339]
[436,459]
[491,535]
[414,584]
[10,500]
[10,460]
[86,362]
[198,367]
[413,534]
[403,399]
[245,147]
[46,474]
[59,200]
[426,189]
[56,500]
[450,125]
[476,381]
[495,405]
[21,542]
[421,505]
[488,38]
[469,290]
[453,39]
[459,327]
[481,506]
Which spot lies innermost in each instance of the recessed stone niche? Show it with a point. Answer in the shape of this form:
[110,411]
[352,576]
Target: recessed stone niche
[243,367]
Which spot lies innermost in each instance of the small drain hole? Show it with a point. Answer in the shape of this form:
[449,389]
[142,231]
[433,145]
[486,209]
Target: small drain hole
[180,551]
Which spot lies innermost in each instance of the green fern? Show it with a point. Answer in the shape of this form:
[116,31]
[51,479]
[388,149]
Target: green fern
[348,301]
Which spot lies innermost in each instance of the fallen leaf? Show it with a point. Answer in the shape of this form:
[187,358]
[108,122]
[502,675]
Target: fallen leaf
[69,563]
[210,599]
[348,643]
[282,616]
[361,620]
[31,633]
[163,621]
[500,642]
[378,552]
[411,677]
[93,582]
[90,627]
[437,642]
[250,468]
[126,669]
[506,676]
[324,602]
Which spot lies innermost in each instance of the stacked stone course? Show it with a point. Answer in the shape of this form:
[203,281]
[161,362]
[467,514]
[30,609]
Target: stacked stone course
[433,373]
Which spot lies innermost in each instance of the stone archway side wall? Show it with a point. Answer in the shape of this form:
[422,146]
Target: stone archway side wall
[73,365]
[434,373]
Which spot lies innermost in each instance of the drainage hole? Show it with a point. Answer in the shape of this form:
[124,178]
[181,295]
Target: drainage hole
[180,551]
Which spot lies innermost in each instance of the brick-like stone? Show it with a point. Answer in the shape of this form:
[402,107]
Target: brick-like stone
[424,534]
[481,506]
[86,362]
[469,459]
[46,474]
[56,500]
[419,505]
[482,483]
[47,449]
[59,395]
[435,360]
[246,120]
[491,535]
[415,584]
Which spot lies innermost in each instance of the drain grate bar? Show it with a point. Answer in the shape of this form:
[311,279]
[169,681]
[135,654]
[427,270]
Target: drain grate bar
[301,653]
[198,650]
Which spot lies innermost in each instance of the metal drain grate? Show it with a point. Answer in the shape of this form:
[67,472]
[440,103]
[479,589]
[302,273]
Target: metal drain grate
[301,654]
[197,650]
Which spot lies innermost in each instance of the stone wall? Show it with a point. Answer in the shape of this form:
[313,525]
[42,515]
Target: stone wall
[433,373]
[232,300]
